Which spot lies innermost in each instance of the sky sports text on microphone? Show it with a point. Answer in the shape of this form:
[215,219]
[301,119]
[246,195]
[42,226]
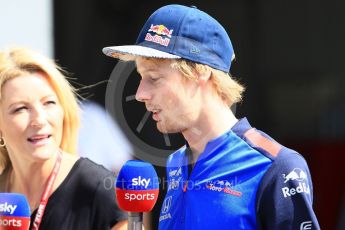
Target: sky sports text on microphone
[137,186]
[14,212]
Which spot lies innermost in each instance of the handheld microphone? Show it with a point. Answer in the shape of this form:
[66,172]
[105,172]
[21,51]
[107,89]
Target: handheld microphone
[14,212]
[137,189]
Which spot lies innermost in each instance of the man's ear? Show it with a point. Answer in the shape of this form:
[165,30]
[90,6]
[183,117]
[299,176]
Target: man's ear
[204,76]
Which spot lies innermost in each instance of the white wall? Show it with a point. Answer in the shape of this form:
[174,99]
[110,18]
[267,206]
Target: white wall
[27,23]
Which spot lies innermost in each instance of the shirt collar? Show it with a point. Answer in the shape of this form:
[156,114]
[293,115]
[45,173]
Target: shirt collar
[239,129]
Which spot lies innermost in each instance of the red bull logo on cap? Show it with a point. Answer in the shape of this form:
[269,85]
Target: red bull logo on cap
[161,30]
[162,35]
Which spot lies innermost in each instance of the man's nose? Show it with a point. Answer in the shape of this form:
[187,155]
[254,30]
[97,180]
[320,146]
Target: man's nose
[143,92]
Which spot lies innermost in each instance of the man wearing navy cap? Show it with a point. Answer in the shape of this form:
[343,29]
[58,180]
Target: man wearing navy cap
[229,174]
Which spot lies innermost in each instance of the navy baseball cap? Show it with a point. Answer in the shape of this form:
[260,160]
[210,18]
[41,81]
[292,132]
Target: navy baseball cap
[176,31]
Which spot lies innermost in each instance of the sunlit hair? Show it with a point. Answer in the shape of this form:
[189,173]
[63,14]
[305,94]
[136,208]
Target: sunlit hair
[16,62]
[225,85]
[227,88]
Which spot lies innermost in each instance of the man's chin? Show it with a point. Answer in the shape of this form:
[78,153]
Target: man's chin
[167,129]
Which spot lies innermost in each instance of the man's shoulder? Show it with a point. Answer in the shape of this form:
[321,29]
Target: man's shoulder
[272,149]
[288,170]
[283,158]
[286,185]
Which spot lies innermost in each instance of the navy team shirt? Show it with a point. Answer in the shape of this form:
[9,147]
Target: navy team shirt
[243,180]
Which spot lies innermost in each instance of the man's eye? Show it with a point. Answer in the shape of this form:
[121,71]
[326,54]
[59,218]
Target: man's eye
[154,79]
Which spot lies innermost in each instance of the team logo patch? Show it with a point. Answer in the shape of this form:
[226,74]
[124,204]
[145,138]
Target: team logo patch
[223,186]
[166,204]
[165,209]
[301,177]
[161,35]
[175,179]
[306,225]
[176,172]
[295,174]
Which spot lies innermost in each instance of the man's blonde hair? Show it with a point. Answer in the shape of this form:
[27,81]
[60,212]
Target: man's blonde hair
[16,62]
[227,88]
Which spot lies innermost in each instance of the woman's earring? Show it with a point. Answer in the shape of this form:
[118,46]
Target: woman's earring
[2,142]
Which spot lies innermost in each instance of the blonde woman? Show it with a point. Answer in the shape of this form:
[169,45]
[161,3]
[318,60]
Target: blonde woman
[39,120]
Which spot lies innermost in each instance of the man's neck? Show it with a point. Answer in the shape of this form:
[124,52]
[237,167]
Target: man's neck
[212,124]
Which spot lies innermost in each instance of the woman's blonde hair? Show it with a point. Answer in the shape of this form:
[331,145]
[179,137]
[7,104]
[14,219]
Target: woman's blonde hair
[22,61]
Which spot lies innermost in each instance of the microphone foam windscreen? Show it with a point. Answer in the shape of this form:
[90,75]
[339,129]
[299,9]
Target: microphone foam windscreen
[137,186]
[14,212]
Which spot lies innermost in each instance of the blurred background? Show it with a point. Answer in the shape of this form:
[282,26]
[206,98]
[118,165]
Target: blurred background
[289,55]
